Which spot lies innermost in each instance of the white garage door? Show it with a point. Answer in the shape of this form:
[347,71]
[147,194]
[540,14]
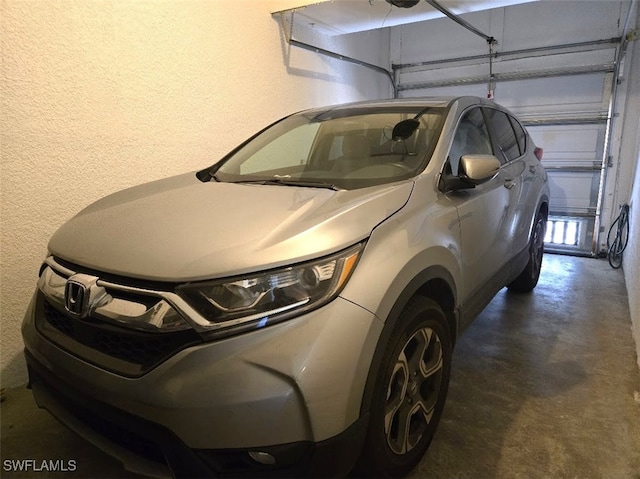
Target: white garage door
[562,94]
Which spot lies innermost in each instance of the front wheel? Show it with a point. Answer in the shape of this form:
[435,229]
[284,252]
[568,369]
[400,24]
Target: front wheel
[528,279]
[410,392]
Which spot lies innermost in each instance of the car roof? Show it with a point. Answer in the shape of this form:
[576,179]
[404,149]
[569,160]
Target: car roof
[409,102]
[391,103]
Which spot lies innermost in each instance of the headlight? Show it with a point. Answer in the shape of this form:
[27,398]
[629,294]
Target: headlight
[258,299]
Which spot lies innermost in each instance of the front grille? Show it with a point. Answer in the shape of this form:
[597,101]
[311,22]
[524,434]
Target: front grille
[161,448]
[127,352]
[120,436]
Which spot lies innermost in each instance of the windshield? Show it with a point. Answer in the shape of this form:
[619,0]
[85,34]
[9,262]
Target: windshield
[339,149]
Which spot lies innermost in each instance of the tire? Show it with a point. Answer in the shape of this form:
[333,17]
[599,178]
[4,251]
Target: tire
[409,393]
[528,278]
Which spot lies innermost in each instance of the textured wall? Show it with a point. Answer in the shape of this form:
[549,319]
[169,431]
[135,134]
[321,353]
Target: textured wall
[631,148]
[631,256]
[100,95]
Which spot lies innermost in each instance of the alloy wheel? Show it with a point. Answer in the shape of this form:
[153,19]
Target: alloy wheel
[413,390]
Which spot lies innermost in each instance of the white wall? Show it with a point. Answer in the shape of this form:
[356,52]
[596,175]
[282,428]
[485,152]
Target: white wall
[631,258]
[98,96]
[631,149]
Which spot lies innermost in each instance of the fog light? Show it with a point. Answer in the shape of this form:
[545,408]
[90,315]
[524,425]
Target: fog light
[262,457]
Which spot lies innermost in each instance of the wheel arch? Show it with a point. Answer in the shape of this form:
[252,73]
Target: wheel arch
[434,282]
[543,207]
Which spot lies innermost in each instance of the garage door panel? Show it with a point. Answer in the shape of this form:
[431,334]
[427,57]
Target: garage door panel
[543,97]
[451,90]
[528,24]
[572,192]
[557,60]
[559,80]
[566,116]
[443,74]
[412,76]
[574,142]
[583,97]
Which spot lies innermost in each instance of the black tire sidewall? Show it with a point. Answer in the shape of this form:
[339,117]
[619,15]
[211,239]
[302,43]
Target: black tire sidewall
[378,459]
[528,278]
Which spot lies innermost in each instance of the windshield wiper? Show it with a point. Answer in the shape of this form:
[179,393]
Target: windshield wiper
[291,182]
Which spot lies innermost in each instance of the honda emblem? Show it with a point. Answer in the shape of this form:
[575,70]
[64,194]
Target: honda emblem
[82,294]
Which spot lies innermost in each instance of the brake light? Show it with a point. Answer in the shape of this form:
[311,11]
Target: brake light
[538,152]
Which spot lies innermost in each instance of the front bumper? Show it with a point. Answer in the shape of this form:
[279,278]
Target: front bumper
[292,390]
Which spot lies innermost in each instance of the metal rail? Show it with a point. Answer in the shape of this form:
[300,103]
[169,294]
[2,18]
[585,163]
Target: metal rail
[524,53]
[456,18]
[605,68]
[550,121]
[338,56]
[607,160]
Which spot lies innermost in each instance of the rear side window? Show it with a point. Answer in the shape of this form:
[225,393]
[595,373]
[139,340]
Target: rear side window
[521,135]
[505,137]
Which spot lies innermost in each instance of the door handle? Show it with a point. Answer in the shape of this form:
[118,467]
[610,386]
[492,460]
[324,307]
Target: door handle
[508,184]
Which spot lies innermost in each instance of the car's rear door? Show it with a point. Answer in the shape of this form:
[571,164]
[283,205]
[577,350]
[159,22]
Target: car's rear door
[509,140]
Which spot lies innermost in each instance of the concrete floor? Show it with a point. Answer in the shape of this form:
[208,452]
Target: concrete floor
[543,385]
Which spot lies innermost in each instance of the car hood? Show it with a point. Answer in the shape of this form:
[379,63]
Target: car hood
[181,229]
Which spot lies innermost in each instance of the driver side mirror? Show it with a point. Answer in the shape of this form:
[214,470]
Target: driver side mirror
[478,169]
[473,170]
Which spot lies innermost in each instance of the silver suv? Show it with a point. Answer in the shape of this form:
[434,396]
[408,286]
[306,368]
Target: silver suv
[292,309]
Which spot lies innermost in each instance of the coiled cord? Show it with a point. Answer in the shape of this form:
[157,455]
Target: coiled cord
[616,248]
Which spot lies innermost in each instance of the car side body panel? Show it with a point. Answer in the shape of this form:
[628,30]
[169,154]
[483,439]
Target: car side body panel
[424,234]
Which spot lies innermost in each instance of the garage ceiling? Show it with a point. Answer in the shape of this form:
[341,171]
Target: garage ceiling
[337,17]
